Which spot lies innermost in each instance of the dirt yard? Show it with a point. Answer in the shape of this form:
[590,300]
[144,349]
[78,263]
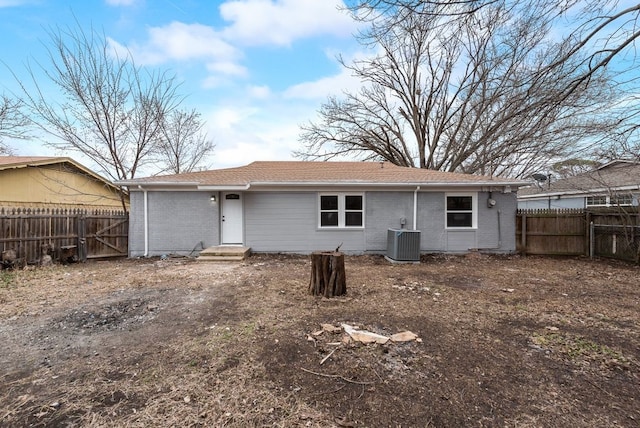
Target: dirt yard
[503,341]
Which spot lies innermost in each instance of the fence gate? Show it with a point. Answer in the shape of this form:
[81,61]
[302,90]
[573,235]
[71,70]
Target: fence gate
[106,235]
[70,234]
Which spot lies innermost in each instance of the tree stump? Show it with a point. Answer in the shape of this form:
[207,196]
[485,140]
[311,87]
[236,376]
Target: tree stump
[327,274]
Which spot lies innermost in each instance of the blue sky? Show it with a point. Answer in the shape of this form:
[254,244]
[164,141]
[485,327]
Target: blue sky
[255,69]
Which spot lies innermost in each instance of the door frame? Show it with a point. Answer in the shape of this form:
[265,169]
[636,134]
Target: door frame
[239,225]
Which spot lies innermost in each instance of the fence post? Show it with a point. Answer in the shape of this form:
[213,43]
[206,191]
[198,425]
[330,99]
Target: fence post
[524,233]
[591,239]
[82,240]
[588,231]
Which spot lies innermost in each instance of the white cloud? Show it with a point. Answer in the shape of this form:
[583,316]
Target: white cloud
[324,87]
[227,118]
[245,134]
[182,42]
[280,22]
[227,67]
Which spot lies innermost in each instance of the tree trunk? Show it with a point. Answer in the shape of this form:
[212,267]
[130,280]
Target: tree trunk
[327,274]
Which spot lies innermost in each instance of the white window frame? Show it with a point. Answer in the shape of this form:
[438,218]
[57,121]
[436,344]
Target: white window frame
[615,200]
[474,210]
[591,204]
[610,200]
[341,210]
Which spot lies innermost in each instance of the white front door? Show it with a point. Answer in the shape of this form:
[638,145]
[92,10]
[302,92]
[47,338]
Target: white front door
[231,218]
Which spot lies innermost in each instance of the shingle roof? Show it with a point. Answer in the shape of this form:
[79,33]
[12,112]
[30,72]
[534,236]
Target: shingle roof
[305,172]
[17,161]
[613,176]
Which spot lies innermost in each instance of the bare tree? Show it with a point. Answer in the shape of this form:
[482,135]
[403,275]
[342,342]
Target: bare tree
[13,123]
[184,144]
[483,92]
[108,109]
[600,35]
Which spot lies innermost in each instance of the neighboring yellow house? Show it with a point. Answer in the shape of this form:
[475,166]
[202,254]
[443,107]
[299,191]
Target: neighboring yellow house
[55,182]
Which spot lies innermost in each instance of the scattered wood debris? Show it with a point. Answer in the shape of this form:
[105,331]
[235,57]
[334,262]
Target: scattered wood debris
[355,334]
[364,336]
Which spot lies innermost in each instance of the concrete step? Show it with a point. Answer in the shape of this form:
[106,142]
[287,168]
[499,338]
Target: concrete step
[224,253]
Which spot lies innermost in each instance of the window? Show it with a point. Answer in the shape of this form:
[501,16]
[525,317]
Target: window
[341,210]
[621,200]
[606,201]
[595,201]
[460,210]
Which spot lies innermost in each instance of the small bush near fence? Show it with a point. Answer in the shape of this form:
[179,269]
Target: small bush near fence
[27,235]
[604,232]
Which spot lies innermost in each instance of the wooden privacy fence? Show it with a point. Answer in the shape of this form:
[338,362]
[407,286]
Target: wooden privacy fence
[63,233]
[603,232]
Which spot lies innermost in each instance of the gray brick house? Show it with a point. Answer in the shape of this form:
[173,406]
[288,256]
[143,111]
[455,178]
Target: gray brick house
[300,207]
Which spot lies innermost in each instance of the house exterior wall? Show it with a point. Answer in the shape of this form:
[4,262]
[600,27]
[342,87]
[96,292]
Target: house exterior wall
[497,225]
[136,224]
[177,221]
[288,222]
[55,186]
[384,210]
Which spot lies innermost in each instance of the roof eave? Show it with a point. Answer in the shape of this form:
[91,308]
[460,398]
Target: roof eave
[134,184]
[384,184]
[150,184]
[580,192]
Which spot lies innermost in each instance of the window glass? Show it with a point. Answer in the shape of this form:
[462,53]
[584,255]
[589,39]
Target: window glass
[457,203]
[353,218]
[460,211]
[328,219]
[353,202]
[459,220]
[328,203]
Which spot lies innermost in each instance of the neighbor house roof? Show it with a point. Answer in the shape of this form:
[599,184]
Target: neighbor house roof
[304,173]
[7,162]
[619,175]
[13,162]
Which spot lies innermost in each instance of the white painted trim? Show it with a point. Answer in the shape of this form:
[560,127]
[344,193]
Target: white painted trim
[415,208]
[474,210]
[341,210]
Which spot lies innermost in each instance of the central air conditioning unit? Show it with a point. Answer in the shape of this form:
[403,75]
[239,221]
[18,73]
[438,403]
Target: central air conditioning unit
[403,245]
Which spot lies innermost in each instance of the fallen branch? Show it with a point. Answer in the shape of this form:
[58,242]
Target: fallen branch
[327,357]
[336,377]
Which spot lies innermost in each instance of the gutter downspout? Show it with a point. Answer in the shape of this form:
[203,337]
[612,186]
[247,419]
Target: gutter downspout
[146,221]
[415,208]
